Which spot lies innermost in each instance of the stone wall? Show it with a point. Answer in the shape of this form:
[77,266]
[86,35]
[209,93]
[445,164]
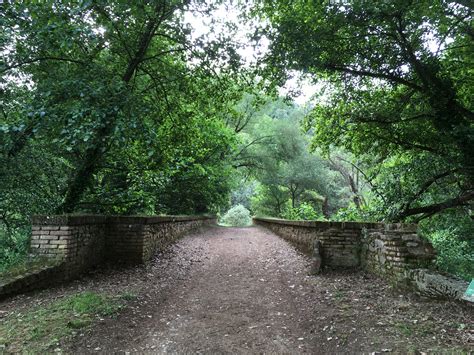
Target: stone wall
[393,251]
[135,239]
[75,244]
[340,241]
[78,241]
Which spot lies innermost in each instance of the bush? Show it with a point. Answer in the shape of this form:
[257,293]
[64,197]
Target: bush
[304,211]
[352,213]
[454,255]
[237,216]
[14,246]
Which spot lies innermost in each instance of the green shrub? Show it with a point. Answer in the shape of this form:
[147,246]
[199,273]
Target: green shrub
[454,255]
[237,216]
[352,213]
[304,211]
[14,245]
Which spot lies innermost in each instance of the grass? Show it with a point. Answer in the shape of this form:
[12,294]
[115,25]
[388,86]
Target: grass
[128,296]
[39,329]
[26,266]
[415,330]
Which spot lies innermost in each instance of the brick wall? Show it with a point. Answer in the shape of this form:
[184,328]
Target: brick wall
[392,249]
[84,241]
[135,239]
[340,241]
[386,249]
[78,243]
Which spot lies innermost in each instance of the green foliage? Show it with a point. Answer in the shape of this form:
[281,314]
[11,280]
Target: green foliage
[351,213]
[242,193]
[269,200]
[274,151]
[112,107]
[451,233]
[237,216]
[14,246]
[397,93]
[39,329]
[304,211]
[453,255]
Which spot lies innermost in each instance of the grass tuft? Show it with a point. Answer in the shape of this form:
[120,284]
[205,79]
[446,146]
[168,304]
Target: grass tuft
[40,328]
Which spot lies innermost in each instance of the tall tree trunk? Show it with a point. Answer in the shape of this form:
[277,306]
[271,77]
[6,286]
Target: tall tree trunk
[325,208]
[92,156]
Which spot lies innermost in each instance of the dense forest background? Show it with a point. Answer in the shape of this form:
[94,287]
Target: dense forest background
[117,107]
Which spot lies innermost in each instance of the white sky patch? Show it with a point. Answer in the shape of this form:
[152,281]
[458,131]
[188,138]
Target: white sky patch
[227,14]
[250,53]
[303,89]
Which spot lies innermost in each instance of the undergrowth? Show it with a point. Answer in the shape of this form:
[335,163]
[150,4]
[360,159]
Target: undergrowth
[40,329]
[14,246]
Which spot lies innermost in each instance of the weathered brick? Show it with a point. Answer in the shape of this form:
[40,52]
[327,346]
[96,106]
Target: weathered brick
[49,237]
[41,241]
[60,232]
[59,242]
[49,228]
[411,237]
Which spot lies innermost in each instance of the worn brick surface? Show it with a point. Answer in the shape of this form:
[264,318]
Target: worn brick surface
[385,249]
[82,242]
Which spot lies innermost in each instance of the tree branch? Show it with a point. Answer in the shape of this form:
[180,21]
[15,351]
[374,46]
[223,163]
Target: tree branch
[429,210]
[365,73]
[39,59]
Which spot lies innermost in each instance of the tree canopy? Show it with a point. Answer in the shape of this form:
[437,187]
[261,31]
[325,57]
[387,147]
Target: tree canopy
[398,91]
[122,97]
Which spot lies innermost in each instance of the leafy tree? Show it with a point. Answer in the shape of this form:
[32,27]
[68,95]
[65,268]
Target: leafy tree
[275,152]
[398,91]
[304,211]
[398,97]
[113,107]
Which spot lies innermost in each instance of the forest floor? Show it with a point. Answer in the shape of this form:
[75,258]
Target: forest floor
[245,290]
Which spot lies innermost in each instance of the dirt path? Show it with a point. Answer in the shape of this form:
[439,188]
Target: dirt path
[241,295]
[248,291]
[245,290]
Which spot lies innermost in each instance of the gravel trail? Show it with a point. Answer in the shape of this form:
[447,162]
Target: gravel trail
[240,295]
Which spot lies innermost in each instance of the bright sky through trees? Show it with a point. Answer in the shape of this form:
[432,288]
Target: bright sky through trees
[209,25]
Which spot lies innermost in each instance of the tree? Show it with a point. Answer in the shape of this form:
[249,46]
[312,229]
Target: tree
[113,107]
[275,153]
[101,76]
[398,91]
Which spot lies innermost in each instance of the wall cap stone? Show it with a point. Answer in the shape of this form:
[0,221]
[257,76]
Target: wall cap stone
[405,227]
[76,219]
[67,220]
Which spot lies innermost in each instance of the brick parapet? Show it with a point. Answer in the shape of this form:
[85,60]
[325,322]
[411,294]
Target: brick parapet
[386,249]
[80,242]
